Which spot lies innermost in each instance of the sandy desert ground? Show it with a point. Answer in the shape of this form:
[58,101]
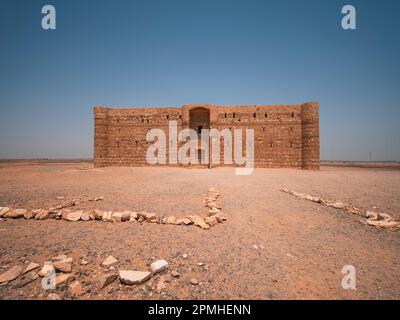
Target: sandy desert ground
[273,245]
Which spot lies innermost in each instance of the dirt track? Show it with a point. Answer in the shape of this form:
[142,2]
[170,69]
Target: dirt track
[302,246]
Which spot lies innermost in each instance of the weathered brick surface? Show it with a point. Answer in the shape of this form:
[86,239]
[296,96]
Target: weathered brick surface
[284,135]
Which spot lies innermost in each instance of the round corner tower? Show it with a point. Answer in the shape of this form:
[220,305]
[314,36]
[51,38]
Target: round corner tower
[310,135]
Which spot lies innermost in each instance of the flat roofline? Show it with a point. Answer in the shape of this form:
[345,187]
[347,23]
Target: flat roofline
[206,105]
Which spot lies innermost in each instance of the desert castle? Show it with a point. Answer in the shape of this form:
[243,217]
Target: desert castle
[284,135]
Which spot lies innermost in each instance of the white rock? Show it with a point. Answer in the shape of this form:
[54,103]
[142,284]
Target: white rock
[159,266]
[133,277]
[109,261]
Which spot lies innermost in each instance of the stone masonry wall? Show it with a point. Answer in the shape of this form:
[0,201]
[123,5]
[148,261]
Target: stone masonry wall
[284,135]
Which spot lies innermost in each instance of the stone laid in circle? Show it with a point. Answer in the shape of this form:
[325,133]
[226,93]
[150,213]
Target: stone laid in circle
[198,221]
[85,216]
[40,214]
[339,205]
[28,215]
[213,211]
[3,211]
[220,217]
[121,216]
[98,214]
[133,277]
[158,266]
[15,214]
[148,216]
[212,221]
[133,215]
[73,216]
[184,221]
[170,220]
[11,274]
[107,216]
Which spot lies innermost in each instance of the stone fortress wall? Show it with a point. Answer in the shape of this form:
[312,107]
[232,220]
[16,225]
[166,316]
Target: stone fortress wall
[284,135]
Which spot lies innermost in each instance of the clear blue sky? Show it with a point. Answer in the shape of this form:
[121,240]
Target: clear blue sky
[170,53]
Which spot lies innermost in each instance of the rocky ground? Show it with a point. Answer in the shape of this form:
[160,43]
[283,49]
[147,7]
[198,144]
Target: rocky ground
[272,245]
